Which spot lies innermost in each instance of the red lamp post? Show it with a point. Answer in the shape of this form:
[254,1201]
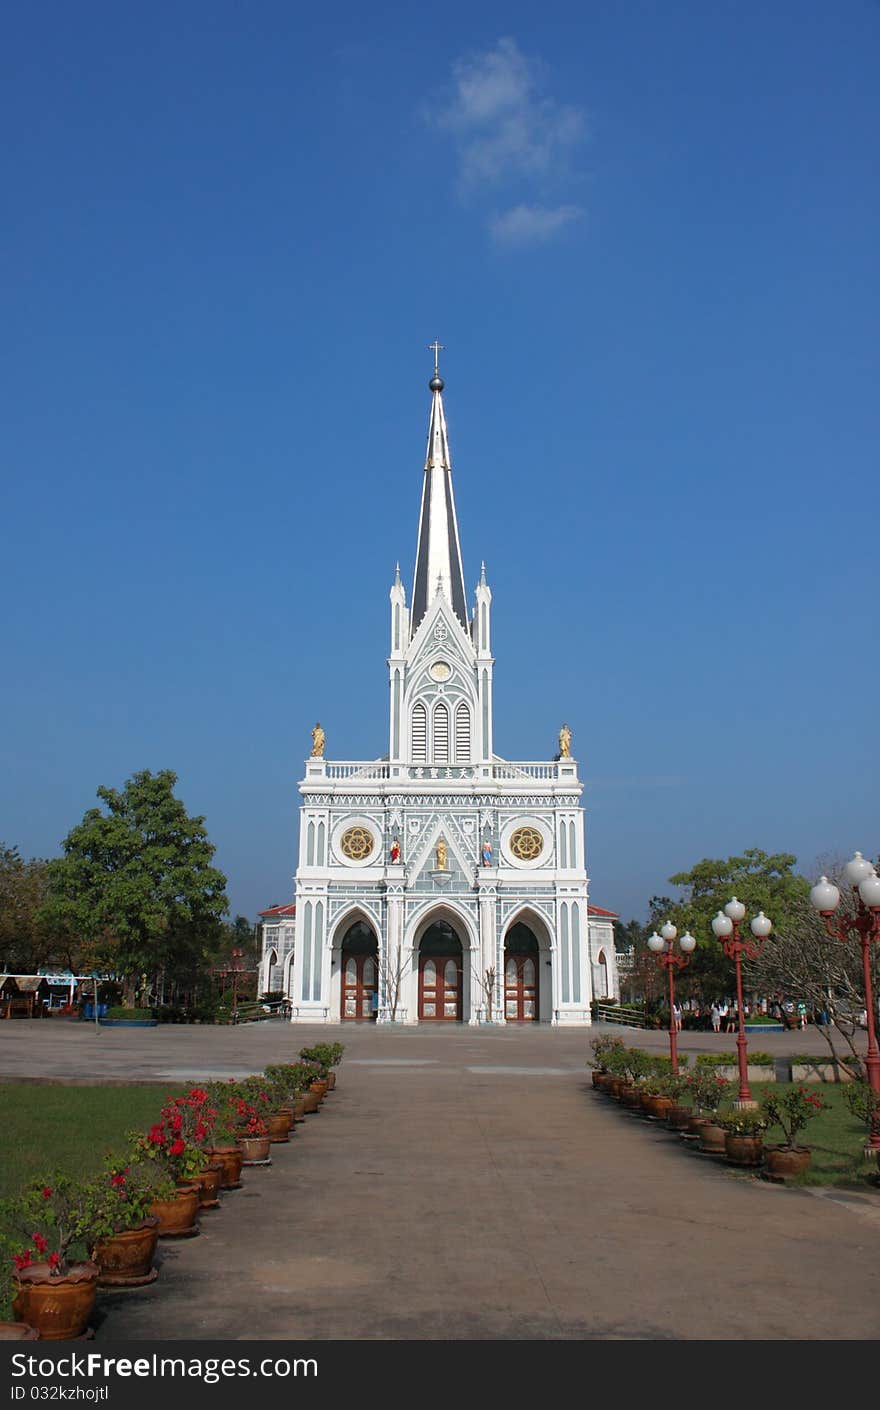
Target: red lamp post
[825,897]
[236,967]
[726,927]
[662,946]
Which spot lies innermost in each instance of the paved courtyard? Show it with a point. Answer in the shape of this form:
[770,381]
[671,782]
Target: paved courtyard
[467,1184]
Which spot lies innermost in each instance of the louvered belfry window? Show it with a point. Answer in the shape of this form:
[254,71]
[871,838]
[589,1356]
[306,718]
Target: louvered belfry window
[419,733]
[441,734]
[462,734]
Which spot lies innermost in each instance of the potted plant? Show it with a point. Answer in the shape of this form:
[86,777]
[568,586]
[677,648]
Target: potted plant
[791,1110]
[296,1079]
[744,1135]
[268,1099]
[190,1120]
[120,1232]
[708,1091]
[53,1289]
[601,1048]
[223,1147]
[328,1056]
[10,1330]
[175,1201]
[864,1103]
[679,1113]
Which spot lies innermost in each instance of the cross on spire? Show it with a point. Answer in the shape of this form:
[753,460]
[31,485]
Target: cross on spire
[436,348]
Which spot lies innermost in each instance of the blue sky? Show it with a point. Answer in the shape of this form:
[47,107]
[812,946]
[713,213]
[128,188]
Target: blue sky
[646,234]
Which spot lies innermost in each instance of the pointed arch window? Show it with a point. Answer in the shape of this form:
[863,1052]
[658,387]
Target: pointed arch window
[441,733]
[462,734]
[419,733]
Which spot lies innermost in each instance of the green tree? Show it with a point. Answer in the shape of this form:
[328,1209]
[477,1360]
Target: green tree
[136,883]
[762,881]
[26,942]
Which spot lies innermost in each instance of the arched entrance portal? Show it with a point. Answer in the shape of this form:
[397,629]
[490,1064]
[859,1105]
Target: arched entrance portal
[360,973]
[440,974]
[520,975]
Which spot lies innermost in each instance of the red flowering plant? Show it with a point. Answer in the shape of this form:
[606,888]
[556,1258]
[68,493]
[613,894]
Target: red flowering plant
[120,1197]
[178,1139]
[45,1226]
[240,1110]
[707,1090]
[791,1110]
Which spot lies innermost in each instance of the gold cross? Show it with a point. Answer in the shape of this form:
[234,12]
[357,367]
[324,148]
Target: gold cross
[436,348]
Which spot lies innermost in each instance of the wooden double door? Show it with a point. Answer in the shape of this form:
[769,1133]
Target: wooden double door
[440,988]
[520,988]
[360,987]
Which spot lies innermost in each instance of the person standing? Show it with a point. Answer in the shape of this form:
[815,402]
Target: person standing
[716,1018]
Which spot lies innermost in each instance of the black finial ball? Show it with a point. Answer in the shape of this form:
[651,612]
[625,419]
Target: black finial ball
[436,383]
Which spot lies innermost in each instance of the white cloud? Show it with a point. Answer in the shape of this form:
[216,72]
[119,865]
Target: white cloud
[531,225]
[510,134]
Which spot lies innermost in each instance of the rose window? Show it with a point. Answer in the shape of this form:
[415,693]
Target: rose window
[357,843]
[527,844]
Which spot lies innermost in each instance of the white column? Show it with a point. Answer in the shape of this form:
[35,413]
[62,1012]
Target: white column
[488,908]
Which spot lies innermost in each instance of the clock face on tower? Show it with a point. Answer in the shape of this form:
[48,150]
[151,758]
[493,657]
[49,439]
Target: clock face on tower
[440,671]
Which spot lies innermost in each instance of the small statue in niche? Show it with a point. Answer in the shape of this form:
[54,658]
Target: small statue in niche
[486,853]
[318,740]
[395,852]
[442,860]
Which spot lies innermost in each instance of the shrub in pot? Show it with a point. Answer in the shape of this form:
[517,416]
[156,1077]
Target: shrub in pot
[119,1230]
[790,1111]
[744,1136]
[328,1056]
[708,1091]
[53,1283]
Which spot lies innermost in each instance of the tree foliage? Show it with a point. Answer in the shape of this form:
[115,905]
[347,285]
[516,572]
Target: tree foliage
[801,960]
[25,942]
[761,880]
[136,881]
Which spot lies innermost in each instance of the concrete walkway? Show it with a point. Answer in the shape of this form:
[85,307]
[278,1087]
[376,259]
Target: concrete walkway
[467,1184]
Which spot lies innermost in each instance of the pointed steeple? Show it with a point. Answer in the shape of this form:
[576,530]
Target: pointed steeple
[438,553]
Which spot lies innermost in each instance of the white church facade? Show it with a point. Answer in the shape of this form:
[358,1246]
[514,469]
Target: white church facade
[441,882]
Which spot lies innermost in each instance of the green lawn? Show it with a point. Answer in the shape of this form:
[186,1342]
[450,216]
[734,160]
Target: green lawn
[68,1128]
[835,1137]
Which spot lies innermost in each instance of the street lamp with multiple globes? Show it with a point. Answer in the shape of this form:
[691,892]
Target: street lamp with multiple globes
[662,946]
[726,927]
[825,897]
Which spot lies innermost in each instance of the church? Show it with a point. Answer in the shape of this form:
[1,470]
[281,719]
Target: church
[441,882]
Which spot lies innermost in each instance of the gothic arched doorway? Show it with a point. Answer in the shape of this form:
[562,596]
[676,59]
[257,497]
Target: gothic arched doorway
[360,973]
[520,975]
[440,974]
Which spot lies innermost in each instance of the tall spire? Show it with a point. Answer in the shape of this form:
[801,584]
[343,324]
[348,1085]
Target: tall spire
[438,553]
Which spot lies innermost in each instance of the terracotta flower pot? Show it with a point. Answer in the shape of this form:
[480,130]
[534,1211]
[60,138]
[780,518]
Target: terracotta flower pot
[320,1086]
[58,1307]
[311,1102]
[178,1214]
[712,1138]
[678,1117]
[785,1162]
[18,1331]
[125,1260]
[299,1108]
[696,1123]
[229,1158]
[254,1149]
[631,1098]
[208,1181]
[645,1099]
[279,1124]
[658,1106]
[744,1150]
[331,1081]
